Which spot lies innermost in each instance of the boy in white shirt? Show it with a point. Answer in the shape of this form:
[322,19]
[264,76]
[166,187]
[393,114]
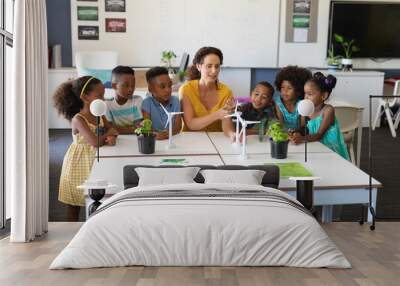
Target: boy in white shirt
[124,110]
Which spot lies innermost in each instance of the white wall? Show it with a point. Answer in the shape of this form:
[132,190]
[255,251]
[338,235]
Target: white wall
[245,30]
[251,33]
[314,54]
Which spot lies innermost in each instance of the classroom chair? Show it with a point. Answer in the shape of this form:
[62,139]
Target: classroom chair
[98,64]
[349,118]
[385,106]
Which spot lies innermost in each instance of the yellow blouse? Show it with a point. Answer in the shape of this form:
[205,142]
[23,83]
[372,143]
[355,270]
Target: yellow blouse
[191,90]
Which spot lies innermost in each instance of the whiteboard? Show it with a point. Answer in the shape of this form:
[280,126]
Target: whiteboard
[247,31]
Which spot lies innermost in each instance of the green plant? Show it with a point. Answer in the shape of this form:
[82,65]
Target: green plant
[145,128]
[332,60]
[348,46]
[181,74]
[277,132]
[167,57]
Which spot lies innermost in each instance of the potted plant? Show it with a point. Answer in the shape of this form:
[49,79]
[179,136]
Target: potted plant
[146,137]
[333,61]
[279,140]
[349,48]
[167,57]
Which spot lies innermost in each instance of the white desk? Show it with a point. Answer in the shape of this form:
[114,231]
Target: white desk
[340,181]
[187,143]
[111,169]
[254,146]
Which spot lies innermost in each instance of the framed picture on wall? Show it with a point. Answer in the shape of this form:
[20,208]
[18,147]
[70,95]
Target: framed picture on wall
[115,5]
[88,13]
[301,6]
[115,25]
[88,32]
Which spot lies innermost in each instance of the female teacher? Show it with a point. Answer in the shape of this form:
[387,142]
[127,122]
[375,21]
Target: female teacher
[206,101]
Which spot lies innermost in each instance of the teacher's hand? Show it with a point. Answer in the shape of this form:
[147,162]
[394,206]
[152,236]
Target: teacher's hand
[230,105]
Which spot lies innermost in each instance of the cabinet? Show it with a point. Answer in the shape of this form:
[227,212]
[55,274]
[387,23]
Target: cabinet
[355,88]
[55,78]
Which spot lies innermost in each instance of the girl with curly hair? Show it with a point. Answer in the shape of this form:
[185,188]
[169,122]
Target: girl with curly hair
[290,82]
[323,125]
[72,100]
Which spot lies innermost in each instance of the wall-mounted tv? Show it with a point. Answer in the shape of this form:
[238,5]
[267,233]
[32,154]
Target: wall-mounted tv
[375,26]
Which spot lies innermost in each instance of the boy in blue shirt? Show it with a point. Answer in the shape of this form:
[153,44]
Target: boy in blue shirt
[124,110]
[160,87]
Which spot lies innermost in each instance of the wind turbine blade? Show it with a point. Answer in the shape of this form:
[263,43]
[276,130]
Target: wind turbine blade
[230,115]
[242,121]
[165,110]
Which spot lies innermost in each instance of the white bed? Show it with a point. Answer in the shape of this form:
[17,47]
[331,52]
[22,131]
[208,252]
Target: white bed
[219,226]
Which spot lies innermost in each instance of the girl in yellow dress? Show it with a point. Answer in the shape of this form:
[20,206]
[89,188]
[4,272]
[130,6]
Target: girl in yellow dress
[72,100]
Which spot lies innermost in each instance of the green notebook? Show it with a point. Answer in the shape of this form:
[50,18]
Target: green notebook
[173,161]
[293,169]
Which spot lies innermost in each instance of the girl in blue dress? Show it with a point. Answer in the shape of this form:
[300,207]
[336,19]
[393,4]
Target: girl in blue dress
[290,82]
[323,125]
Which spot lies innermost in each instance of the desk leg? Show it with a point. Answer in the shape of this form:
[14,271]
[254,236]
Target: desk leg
[359,138]
[327,213]
[373,203]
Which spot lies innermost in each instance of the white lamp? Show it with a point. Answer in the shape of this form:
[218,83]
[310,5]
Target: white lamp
[305,108]
[98,108]
[169,123]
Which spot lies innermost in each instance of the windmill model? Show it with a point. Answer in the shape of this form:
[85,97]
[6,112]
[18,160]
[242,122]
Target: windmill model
[169,123]
[237,114]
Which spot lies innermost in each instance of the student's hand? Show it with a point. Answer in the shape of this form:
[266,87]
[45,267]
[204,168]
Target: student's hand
[162,135]
[221,113]
[232,137]
[111,132]
[111,140]
[296,138]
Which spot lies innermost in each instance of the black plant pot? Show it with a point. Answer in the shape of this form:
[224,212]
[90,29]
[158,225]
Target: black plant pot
[147,144]
[279,149]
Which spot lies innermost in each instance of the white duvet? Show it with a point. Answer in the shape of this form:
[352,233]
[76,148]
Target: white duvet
[200,231]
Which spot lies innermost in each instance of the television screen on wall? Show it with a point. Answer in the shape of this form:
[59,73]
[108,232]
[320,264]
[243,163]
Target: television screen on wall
[375,27]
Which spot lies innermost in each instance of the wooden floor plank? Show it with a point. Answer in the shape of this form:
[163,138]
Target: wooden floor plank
[375,257]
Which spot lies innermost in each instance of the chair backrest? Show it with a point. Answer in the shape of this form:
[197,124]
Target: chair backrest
[349,117]
[95,60]
[396,90]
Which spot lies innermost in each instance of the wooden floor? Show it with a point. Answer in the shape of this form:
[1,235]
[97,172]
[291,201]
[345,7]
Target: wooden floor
[374,255]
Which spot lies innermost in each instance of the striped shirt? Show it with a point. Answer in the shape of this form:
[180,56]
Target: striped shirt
[126,114]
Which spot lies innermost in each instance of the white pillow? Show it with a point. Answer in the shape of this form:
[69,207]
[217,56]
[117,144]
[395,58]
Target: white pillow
[166,176]
[248,177]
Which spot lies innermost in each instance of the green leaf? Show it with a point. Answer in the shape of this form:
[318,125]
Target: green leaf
[145,128]
[277,132]
[338,38]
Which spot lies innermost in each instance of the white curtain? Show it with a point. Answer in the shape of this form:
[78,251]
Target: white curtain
[27,131]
